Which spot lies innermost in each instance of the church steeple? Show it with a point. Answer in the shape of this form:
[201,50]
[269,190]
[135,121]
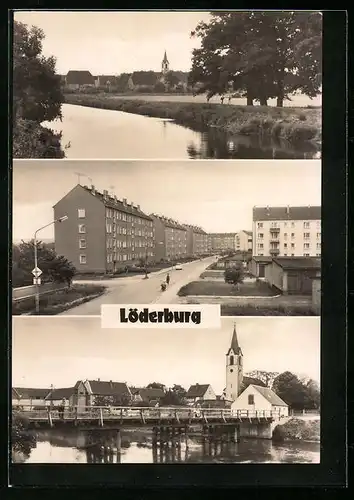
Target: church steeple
[234,368]
[165,65]
[234,343]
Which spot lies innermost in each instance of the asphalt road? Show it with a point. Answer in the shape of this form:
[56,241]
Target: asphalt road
[137,290]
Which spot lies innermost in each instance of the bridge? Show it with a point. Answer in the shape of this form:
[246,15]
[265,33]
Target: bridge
[117,416]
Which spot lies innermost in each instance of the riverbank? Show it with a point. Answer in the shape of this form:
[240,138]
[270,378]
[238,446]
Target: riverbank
[297,429]
[295,125]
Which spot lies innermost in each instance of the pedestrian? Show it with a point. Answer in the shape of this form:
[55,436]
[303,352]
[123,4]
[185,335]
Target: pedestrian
[168,279]
[222,99]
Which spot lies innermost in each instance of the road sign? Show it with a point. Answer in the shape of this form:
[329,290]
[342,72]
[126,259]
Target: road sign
[37,281]
[36,272]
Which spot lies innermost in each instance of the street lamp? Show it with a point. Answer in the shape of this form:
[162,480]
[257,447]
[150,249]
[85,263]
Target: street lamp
[61,219]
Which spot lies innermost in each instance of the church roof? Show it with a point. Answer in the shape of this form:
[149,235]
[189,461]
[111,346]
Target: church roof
[197,390]
[270,395]
[234,343]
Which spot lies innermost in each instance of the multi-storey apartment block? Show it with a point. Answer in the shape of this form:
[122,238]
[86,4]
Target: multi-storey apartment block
[197,241]
[219,242]
[170,238]
[102,233]
[244,241]
[287,231]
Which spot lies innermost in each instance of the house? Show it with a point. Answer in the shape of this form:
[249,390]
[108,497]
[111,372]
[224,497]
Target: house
[147,395]
[259,398]
[102,233]
[56,396]
[29,397]
[77,79]
[200,392]
[244,241]
[287,231]
[222,242]
[92,392]
[144,79]
[293,275]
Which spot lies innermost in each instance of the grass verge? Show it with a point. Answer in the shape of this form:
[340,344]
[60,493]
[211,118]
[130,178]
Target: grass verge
[58,301]
[295,125]
[276,310]
[219,289]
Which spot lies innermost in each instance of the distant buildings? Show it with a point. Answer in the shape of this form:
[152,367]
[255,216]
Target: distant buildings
[102,233]
[197,241]
[287,231]
[244,241]
[222,242]
[170,238]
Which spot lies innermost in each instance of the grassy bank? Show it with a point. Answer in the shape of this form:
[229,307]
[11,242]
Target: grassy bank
[296,429]
[58,301]
[295,125]
[220,289]
[259,310]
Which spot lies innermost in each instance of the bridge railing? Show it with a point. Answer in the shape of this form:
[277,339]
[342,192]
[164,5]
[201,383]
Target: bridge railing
[143,414]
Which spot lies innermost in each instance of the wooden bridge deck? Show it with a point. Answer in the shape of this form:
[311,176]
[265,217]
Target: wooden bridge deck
[99,416]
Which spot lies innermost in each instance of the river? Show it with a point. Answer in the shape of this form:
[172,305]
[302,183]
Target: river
[92,133]
[137,447]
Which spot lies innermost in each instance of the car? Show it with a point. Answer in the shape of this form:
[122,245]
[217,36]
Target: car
[178,267]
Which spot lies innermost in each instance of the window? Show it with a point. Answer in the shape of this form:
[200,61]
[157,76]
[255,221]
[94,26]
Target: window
[306,245]
[318,236]
[306,225]
[285,255]
[260,225]
[82,243]
[293,235]
[81,213]
[285,236]
[293,245]
[82,228]
[285,245]
[293,224]
[292,254]
[260,235]
[251,399]
[306,235]
[306,255]
[318,245]
[82,258]
[231,360]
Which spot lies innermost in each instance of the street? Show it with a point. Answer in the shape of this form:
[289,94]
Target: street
[137,290]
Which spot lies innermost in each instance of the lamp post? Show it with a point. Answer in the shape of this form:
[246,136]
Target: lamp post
[61,219]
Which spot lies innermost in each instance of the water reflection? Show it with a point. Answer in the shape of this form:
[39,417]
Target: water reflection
[220,145]
[140,447]
[102,133]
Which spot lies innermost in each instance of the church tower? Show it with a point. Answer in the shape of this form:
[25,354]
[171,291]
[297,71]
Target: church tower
[165,65]
[234,369]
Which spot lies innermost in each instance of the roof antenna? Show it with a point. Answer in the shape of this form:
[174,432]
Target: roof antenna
[79,175]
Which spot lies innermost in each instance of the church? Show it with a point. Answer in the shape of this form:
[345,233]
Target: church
[244,393]
[241,392]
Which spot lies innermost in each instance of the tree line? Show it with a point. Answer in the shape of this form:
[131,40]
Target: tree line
[298,393]
[262,54]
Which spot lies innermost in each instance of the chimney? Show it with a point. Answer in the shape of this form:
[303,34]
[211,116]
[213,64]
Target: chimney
[105,194]
[125,202]
[115,198]
[98,380]
[138,207]
[93,189]
[288,209]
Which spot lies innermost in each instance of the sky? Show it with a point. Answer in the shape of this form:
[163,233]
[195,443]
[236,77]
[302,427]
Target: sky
[62,350]
[216,195]
[116,42]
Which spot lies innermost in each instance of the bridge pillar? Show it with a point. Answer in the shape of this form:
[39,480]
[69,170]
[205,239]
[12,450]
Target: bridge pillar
[236,435]
[119,441]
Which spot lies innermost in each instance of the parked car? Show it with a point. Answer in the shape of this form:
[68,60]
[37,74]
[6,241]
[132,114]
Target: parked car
[178,267]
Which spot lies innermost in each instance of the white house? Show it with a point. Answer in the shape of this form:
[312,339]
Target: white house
[259,398]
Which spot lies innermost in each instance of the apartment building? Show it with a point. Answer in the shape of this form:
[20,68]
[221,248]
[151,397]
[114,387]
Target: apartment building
[197,241]
[244,241]
[170,238]
[219,242]
[287,231]
[102,233]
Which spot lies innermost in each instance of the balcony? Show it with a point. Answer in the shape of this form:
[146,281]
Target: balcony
[274,230]
[274,239]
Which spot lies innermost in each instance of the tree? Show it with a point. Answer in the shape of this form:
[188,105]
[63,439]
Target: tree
[156,385]
[293,391]
[118,400]
[159,87]
[264,54]
[266,377]
[37,96]
[174,396]
[54,268]
[234,276]
[171,80]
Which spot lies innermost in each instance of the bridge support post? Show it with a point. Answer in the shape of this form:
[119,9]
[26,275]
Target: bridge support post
[119,441]
[236,435]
